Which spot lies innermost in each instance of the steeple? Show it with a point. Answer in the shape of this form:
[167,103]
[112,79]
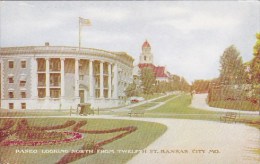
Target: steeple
[146,56]
[146,45]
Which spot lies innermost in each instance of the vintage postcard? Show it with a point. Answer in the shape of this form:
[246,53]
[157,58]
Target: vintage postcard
[137,82]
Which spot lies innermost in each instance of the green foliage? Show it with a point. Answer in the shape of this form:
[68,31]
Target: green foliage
[257,45]
[162,87]
[131,90]
[148,80]
[184,85]
[255,66]
[237,105]
[232,70]
[201,86]
[178,83]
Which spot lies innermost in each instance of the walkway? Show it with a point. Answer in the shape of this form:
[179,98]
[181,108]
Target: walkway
[199,101]
[191,141]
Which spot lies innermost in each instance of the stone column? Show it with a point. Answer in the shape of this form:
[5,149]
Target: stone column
[109,80]
[2,80]
[34,78]
[47,62]
[62,80]
[91,87]
[115,81]
[76,94]
[101,79]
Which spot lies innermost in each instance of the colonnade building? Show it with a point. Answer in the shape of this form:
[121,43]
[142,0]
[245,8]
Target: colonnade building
[59,77]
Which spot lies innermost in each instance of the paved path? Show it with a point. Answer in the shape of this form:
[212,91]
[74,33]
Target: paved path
[199,101]
[230,142]
[198,138]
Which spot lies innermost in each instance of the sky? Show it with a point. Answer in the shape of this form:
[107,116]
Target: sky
[186,37]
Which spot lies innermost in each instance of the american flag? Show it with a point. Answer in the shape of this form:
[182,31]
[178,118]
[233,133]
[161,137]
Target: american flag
[84,22]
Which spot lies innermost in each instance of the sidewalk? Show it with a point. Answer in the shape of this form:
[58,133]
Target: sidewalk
[199,101]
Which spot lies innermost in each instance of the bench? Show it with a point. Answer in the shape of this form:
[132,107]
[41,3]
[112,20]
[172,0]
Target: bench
[229,117]
[136,113]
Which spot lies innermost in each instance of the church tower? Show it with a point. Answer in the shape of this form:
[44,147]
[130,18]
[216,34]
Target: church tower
[146,55]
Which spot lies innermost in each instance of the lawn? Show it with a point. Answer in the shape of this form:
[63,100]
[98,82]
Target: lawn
[242,105]
[145,134]
[164,98]
[150,96]
[180,105]
[17,113]
[144,106]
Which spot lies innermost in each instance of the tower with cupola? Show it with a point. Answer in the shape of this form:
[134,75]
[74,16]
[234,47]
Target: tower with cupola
[146,57]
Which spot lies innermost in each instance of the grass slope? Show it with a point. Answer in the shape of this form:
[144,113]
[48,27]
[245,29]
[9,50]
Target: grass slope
[180,105]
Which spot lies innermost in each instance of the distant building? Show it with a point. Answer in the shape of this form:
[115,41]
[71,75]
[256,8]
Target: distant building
[146,60]
[59,77]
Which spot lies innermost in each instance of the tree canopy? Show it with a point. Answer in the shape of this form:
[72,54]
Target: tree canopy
[148,80]
[232,70]
[255,66]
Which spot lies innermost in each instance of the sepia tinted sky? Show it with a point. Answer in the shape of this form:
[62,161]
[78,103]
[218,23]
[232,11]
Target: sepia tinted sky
[187,37]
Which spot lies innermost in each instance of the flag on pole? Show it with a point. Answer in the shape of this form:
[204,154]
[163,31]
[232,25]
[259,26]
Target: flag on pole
[84,22]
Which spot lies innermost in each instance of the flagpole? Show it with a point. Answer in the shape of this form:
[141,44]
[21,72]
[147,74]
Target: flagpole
[79,34]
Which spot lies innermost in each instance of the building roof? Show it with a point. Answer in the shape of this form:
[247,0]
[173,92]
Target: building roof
[159,71]
[146,44]
[47,49]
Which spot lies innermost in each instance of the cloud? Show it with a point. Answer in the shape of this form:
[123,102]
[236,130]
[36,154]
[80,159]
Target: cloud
[100,37]
[188,37]
[107,14]
[201,21]
[25,4]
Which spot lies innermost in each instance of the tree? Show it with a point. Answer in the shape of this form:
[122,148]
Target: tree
[184,85]
[201,86]
[175,82]
[147,80]
[255,66]
[232,70]
[131,90]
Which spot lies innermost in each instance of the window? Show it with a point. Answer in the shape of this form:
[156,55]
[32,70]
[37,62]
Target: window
[23,105]
[11,94]
[11,64]
[23,64]
[23,94]
[11,79]
[41,92]
[81,77]
[144,57]
[55,93]
[22,83]
[11,105]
